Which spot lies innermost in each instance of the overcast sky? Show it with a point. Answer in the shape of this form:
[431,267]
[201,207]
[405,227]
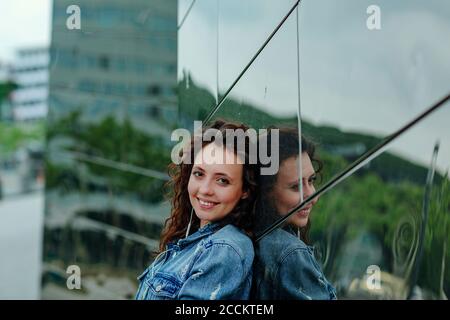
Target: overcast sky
[350,77]
[24,23]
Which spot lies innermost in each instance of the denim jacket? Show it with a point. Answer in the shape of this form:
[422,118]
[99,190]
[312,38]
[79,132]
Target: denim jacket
[285,268]
[212,263]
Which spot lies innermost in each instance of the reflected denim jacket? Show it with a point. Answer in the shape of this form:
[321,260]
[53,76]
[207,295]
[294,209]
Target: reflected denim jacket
[212,263]
[285,268]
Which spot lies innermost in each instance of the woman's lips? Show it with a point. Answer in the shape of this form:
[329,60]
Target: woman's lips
[204,204]
[304,212]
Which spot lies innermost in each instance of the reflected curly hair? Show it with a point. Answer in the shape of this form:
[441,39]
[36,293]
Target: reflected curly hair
[242,215]
[289,147]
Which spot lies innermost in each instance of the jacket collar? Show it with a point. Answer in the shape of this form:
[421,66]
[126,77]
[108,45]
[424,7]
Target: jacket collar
[204,231]
[288,228]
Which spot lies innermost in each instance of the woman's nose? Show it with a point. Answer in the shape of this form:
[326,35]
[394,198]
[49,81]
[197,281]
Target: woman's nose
[205,188]
[308,191]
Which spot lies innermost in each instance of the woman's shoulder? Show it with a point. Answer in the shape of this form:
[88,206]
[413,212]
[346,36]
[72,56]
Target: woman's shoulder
[281,241]
[277,246]
[232,236]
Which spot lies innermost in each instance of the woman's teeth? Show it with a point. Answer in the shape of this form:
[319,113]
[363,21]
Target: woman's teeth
[206,203]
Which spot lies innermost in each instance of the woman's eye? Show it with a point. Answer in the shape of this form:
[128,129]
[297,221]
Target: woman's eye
[223,181]
[197,173]
[294,187]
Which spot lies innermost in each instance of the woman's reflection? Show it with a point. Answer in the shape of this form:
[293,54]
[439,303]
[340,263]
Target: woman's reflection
[285,266]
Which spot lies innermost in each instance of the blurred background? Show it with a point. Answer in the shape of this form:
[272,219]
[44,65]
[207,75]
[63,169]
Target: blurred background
[87,110]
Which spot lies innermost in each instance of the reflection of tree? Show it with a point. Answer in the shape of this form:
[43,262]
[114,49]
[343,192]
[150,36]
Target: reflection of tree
[197,102]
[391,212]
[435,272]
[117,142]
[5,89]
[102,238]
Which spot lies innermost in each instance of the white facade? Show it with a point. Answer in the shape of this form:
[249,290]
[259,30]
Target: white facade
[30,72]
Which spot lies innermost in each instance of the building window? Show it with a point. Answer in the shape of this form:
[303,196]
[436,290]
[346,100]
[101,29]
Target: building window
[154,90]
[103,62]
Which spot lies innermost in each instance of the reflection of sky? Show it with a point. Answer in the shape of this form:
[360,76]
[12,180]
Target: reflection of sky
[351,77]
[24,23]
[375,81]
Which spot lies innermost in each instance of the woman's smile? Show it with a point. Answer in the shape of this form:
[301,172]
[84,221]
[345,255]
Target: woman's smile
[304,212]
[206,205]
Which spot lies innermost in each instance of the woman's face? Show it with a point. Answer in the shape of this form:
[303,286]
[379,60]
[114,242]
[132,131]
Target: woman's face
[286,192]
[215,189]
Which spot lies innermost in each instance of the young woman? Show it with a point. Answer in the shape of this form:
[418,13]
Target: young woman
[285,266]
[205,250]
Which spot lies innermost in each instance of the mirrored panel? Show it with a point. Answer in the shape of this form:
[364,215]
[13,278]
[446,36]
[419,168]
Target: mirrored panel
[383,232]
[242,30]
[366,69]
[197,60]
[113,106]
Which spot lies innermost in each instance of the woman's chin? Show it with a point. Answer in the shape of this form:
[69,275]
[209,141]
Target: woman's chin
[299,222]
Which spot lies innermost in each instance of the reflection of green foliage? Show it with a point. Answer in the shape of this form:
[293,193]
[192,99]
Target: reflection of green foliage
[113,141]
[334,137]
[197,102]
[368,203]
[388,166]
[13,136]
[333,164]
[437,240]
[5,89]
[392,168]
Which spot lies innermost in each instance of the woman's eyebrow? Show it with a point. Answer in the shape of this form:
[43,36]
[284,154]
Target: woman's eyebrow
[223,174]
[310,175]
[198,168]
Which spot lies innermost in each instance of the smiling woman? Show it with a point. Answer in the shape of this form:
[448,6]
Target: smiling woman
[206,238]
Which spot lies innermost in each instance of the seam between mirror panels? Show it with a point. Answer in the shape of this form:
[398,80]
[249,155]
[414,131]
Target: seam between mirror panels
[188,11]
[255,56]
[299,112]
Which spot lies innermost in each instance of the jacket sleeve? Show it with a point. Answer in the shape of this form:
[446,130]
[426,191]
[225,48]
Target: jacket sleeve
[299,278]
[217,274]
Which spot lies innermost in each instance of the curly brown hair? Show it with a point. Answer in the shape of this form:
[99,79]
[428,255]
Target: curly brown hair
[242,216]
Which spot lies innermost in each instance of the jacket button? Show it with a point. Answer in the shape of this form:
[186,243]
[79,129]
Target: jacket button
[158,288]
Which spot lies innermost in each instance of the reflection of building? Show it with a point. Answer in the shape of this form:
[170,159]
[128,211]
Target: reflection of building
[30,73]
[112,107]
[121,63]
